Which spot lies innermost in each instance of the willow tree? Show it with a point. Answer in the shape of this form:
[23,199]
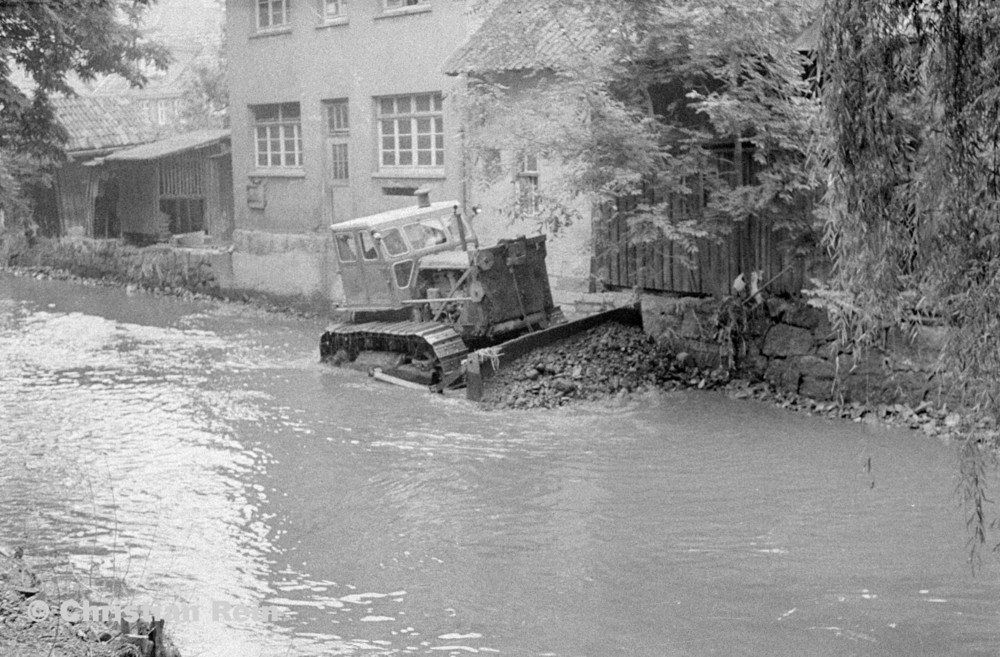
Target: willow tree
[911,109]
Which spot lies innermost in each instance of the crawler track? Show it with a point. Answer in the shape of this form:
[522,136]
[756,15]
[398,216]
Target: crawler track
[419,341]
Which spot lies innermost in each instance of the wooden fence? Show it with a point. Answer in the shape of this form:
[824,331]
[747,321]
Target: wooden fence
[663,265]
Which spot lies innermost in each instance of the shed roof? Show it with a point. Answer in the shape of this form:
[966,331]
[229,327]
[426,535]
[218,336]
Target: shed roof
[102,123]
[170,146]
[525,35]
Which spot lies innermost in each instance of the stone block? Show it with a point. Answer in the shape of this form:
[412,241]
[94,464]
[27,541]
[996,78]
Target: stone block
[776,307]
[804,316]
[779,374]
[661,317]
[817,388]
[785,340]
[813,366]
[692,326]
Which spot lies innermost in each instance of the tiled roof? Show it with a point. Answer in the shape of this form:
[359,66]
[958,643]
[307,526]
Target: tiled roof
[170,146]
[525,35]
[96,123]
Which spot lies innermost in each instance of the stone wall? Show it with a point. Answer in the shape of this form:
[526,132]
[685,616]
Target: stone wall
[159,267]
[791,345]
[286,267]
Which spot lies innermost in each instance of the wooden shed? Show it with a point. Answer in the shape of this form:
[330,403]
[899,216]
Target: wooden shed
[80,199]
[178,185]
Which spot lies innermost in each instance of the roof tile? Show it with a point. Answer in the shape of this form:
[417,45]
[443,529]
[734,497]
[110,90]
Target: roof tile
[96,123]
[525,35]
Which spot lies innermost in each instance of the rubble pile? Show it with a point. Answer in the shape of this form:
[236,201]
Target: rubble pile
[28,631]
[607,360]
[613,360]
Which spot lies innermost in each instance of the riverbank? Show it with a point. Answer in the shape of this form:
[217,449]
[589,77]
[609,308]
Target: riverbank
[31,626]
[607,362]
[616,361]
[202,293]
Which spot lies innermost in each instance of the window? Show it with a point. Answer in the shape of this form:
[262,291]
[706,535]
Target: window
[338,162]
[425,234]
[337,131]
[411,131]
[399,4]
[347,250]
[403,271]
[337,119]
[272,14]
[393,242]
[279,135]
[368,246]
[527,185]
[334,9]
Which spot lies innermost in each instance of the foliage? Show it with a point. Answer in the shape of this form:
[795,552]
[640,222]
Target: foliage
[911,96]
[154,268]
[49,41]
[43,45]
[653,109]
[205,98]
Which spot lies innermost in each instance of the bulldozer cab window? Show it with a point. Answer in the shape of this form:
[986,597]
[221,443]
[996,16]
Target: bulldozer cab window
[403,270]
[347,249]
[368,249]
[425,234]
[392,242]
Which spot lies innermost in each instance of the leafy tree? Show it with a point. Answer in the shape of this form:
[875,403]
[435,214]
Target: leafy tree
[646,100]
[205,99]
[911,112]
[50,40]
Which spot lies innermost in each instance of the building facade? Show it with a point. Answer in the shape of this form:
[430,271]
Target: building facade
[339,108]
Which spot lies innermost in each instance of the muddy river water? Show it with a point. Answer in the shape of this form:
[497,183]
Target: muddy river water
[197,453]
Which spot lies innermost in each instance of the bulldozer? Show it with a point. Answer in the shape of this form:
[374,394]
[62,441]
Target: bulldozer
[420,293]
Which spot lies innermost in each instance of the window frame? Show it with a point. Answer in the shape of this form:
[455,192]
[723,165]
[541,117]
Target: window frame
[405,112]
[286,15]
[281,124]
[339,15]
[337,124]
[403,5]
[527,184]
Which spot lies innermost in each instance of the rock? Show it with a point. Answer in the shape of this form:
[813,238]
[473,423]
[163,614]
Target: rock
[814,388]
[783,377]
[531,373]
[813,366]
[564,385]
[691,327]
[776,307]
[785,340]
[805,317]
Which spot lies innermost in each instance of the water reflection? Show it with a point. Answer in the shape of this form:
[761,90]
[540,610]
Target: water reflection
[198,453]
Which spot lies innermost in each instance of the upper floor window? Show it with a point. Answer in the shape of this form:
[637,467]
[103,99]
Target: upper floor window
[411,131]
[399,4]
[272,14]
[337,119]
[527,184]
[278,130]
[334,9]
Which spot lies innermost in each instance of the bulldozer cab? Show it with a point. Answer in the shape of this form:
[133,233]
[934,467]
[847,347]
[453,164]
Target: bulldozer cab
[379,255]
